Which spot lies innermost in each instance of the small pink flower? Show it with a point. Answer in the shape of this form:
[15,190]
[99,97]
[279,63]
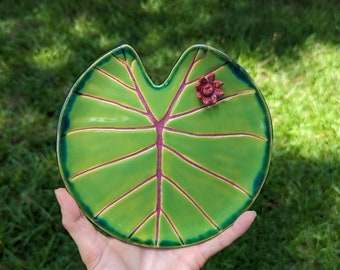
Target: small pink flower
[208,89]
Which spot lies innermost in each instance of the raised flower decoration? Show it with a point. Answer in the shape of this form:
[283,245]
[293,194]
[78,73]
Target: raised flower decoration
[208,89]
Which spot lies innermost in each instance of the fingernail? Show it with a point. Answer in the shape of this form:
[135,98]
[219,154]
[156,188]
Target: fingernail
[254,213]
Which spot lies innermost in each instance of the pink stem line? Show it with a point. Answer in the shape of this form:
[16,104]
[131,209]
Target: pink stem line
[141,224]
[200,209]
[173,227]
[139,152]
[236,186]
[214,135]
[110,129]
[159,144]
[111,102]
[107,74]
[125,195]
[226,98]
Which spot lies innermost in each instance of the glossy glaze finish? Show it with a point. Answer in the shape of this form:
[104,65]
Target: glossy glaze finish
[152,164]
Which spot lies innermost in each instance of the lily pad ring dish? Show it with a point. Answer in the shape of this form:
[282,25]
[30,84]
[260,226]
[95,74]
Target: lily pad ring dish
[167,165]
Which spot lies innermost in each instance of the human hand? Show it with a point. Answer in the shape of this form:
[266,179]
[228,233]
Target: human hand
[99,252]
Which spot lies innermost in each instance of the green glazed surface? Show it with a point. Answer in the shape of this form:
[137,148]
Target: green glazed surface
[151,164]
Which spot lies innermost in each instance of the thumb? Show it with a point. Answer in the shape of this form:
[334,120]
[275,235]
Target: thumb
[90,243]
[240,226]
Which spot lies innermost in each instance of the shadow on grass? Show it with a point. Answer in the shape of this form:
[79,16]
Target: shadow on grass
[159,32]
[297,219]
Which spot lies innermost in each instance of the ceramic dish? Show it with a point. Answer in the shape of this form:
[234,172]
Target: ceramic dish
[165,165]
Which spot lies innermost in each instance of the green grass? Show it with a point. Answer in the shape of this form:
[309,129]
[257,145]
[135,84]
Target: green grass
[291,48]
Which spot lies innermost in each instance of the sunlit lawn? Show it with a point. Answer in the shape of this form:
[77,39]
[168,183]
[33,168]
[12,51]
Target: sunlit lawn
[291,49]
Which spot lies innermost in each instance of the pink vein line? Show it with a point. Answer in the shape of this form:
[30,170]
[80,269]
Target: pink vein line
[141,224]
[110,102]
[214,69]
[110,129]
[107,74]
[192,201]
[173,227]
[137,89]
[236,186]
[182,86]
[226,98]
[124,195]
[213,135]
[139,152]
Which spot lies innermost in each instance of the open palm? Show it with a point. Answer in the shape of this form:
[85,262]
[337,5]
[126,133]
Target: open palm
[100,252]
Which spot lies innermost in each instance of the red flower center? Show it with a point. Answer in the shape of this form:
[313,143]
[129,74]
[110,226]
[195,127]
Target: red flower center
[208,89]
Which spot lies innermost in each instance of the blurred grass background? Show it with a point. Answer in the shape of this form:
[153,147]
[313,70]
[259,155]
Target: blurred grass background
[291,49]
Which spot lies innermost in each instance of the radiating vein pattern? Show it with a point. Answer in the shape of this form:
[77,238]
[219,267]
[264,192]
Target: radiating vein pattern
[212,135]
[99,166]
[154,166]
[111,102]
